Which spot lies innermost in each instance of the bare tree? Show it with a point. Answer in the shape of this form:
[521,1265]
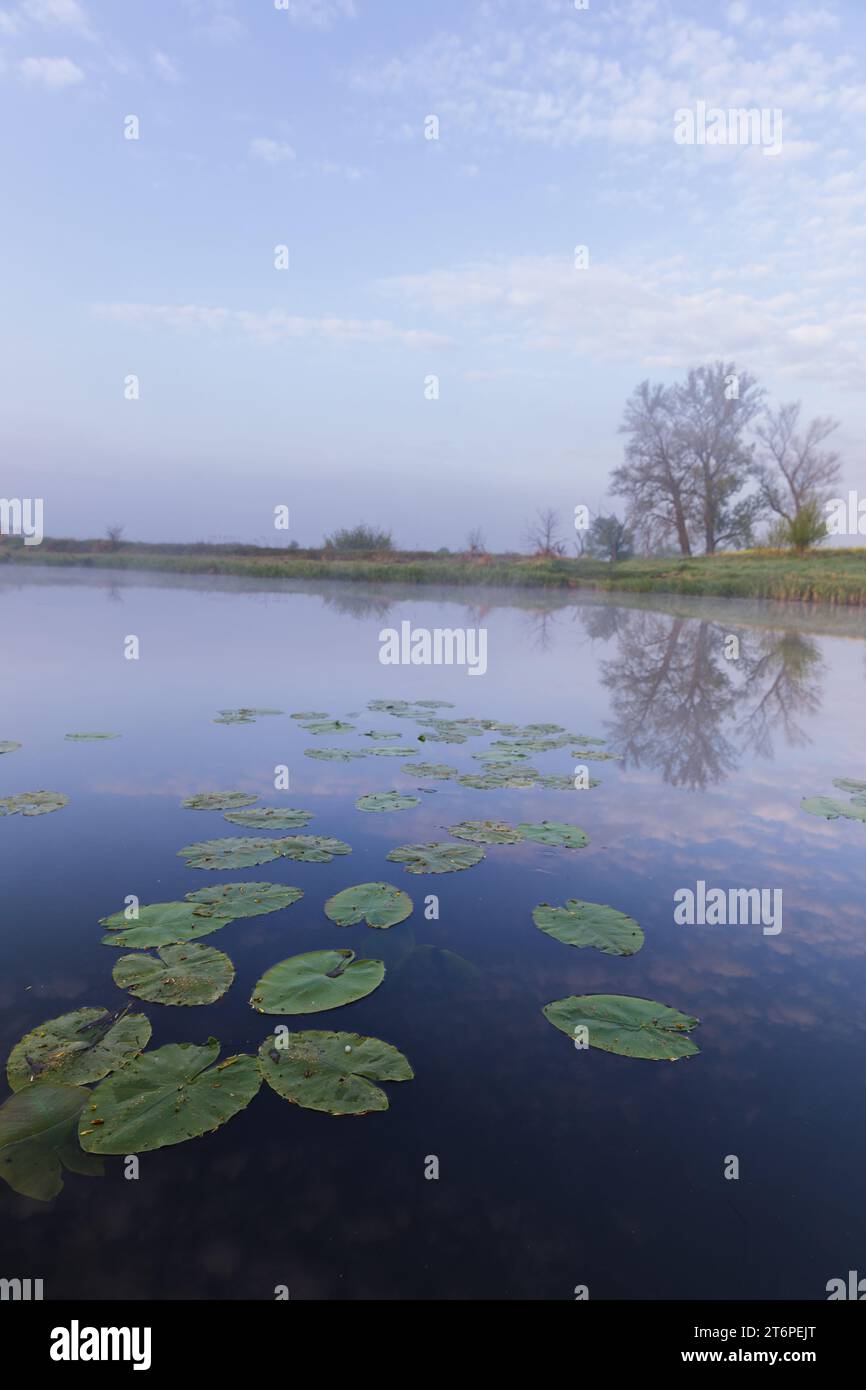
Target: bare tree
[713,409]
[114,535]
[656,477]
[543,535]
[792,469]
[475,543]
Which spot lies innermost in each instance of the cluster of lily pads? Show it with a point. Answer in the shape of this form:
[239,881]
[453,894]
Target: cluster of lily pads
[40,803]
[832,808]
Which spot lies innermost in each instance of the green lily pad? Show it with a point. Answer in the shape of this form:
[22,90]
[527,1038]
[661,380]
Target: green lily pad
[334,755]
[329,726]
[89,738]
[270,818]
[188,974]
[554,782]
[218,801]
[389,706]
[167,1096]
[499,777]
[314,981]
[386,801]
[845,784]
[243,716]
[159,924]
[313,849]
[486,832]
[590,924]
[556,832]
[242,899]
[543,729]
[595,755]
[435,704]
[440,771]
[831,809]
[332,1072]
[32,803]
[390,750]
[231,853]
[624,1025]
[38,1139]
[9,745]
[436,858]
[443,736]
[76,1048]
[378,904]
[311,714]
[380,735]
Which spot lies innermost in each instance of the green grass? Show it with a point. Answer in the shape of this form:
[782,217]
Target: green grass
[820,576]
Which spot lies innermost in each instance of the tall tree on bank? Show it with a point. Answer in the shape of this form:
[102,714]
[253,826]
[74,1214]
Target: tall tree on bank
[657,477]
[791,467]
[713,409]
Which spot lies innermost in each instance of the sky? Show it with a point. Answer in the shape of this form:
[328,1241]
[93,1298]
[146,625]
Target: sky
[409,258]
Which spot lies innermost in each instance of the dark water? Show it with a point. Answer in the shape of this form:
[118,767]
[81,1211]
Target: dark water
[557,1167]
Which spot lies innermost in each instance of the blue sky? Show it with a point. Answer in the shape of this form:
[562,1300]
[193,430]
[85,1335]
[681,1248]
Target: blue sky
[408,257]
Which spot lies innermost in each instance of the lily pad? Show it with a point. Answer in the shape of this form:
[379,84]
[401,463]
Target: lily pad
[486,832]
[242,899]
[380,735]
[590,924]
[499,777]
[188,974]
[167,1096]
[595,755]
[436,858]
[313,849]
[378,904]
[554,782]
[230,853]
[845,784]
[218,801]
[159,924]
[555,832]
[270,817]
[242,716]
[440,771]
[332,1072]
[391,751]
[89,738]
[624,1025]
[38,1139]
[32,803]
[832,809]
[310,714]
[9,745]
[334,755]
[329,726]
[76,1048]
[386,801]
[314,981]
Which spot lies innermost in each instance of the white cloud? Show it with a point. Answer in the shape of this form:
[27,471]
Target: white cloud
[271,151]
[319,14]
[57,14]
[51,72]
[272,326]
[164,66]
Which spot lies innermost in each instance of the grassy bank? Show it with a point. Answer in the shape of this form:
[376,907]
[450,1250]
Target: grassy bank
[821,576]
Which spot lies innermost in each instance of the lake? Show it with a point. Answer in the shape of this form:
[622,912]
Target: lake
[558,1167]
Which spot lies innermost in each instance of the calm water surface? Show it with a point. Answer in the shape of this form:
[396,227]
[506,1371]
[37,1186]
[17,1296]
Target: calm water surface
[557,1167]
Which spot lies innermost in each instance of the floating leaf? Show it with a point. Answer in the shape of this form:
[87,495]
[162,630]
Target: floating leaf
[9,745]
[391,751]
[314,981]
[167,1096]
[330,726]
[624,1025]
[37,1136]
[335,755]
[230,853]
[218,801]
[159,924]
[379,904]
[543,729]
[311,714]
[76,1048]
[32,803]
[555,832]
[435,704]
[378,734]
[499,777]
[845,784]
[553,782]
[270,818]
[233,716]
[386,801]
[313,849]
[486,832]
[242,899]
[590,924]
[436,858]
[332,1072]
[437,770]
[831,809]
[89,738]
[187,974]
[595,755]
